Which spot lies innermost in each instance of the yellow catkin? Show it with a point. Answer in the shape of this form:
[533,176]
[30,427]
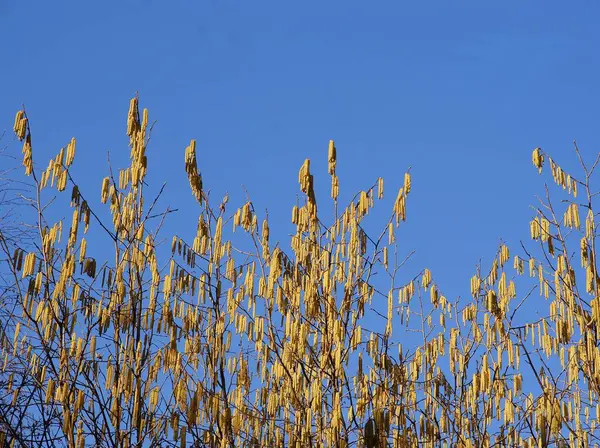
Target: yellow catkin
[538,159]
[20,126]
[191,168]
[332,157]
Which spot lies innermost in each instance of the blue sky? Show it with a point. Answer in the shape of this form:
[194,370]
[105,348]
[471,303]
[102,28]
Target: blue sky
[460,91]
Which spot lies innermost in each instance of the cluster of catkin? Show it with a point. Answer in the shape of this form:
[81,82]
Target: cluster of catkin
[310,345]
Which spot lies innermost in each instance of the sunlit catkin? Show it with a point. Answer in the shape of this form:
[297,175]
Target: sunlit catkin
[191,168]
[538,159]
[332,157]
[20,126]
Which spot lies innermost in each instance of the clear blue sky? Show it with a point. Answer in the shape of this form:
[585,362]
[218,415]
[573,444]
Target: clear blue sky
[460,91]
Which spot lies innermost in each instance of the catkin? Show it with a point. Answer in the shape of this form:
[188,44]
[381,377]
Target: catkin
[538,159]
[191,168]
[20,126]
